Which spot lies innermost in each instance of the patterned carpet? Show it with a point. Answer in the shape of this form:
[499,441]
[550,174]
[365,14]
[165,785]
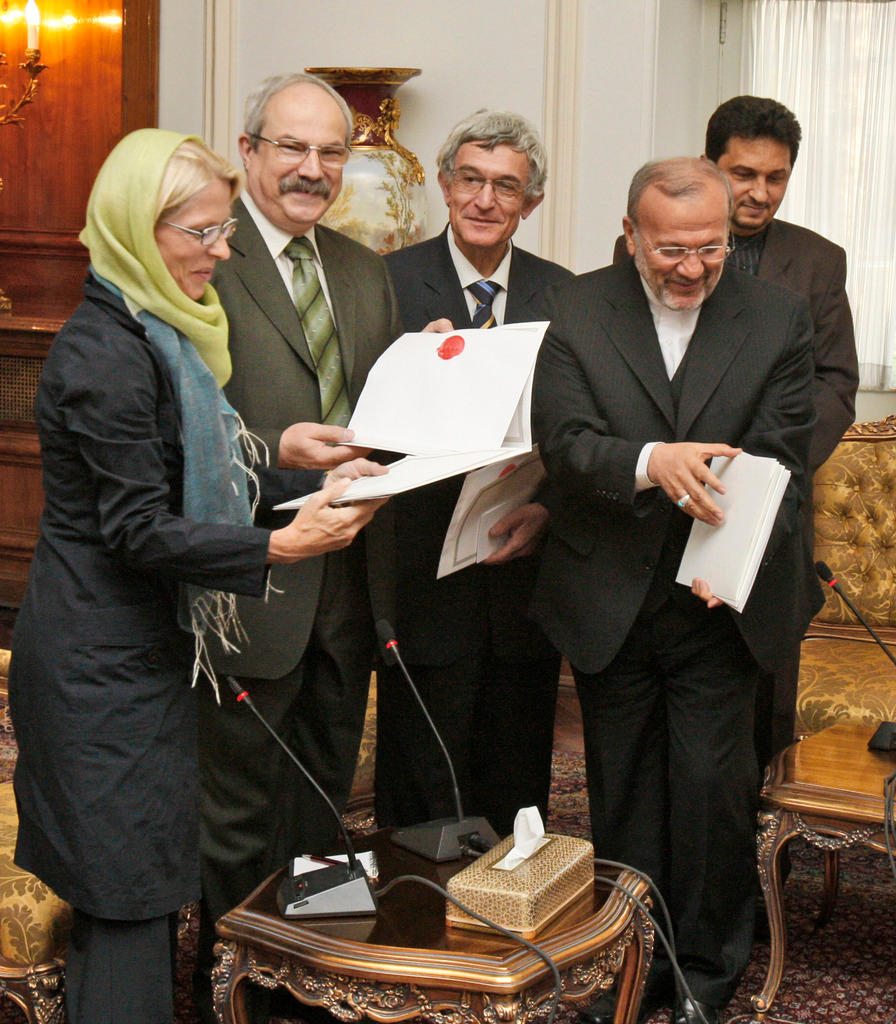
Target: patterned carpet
[842,974]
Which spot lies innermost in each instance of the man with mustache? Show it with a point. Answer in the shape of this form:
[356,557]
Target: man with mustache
[310,310]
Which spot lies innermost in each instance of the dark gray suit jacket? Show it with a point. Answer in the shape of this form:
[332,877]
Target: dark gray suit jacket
[274,384]
[435,618]
[602,392]
[815,268]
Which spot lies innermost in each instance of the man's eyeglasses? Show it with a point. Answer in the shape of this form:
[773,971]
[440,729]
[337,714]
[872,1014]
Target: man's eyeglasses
[208,236]
[472,185]
[291,151]
[707,253]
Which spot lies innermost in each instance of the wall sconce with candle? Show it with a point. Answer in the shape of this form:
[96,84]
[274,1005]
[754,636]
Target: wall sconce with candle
[9,112]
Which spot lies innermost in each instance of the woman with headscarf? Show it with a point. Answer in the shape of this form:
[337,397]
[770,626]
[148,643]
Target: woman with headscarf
[146,531]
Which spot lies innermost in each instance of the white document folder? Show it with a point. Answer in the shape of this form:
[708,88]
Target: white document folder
[487,495]
[728,556]
[430,394]
[408,473]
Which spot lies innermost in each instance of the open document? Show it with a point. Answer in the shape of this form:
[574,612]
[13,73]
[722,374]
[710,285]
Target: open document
[453,402]
[430,394]
[487,496]
[728,556]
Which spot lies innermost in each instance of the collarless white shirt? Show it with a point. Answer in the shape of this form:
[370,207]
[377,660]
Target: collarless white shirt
[674,329]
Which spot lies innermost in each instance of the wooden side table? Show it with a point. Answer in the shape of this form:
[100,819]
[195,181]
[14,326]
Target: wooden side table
[828,788]
[403,962]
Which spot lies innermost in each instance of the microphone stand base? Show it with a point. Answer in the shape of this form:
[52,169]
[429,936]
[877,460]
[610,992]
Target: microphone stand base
[444,838]
[329,891]
[884,738]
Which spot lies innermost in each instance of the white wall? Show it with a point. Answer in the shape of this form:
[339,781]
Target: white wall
[461,47]
[472,54]
[650,73]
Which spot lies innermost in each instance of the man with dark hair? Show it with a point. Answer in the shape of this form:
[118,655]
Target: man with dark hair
[487,674]
[751,117]
[649,368]
[755,142]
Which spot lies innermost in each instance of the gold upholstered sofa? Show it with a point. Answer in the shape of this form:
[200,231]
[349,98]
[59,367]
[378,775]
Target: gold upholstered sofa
[844,676]
[34,922]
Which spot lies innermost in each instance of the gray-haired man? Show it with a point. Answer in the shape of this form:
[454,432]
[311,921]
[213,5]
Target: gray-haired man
[488,675]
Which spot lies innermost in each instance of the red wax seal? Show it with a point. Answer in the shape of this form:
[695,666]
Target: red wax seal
[451,347]
[506,470]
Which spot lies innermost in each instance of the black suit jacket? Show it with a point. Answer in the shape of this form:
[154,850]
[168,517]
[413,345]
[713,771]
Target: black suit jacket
[274,384]
[107,779]
[812,266]
[435,618]
[601,392]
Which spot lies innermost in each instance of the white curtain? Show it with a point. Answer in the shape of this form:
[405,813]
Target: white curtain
[833,63]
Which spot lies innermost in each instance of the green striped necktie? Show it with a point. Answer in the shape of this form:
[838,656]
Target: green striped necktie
[320,333]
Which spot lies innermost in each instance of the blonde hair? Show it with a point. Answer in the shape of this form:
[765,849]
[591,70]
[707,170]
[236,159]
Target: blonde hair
[193,166]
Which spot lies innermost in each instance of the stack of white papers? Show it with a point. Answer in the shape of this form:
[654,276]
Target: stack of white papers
[728,556]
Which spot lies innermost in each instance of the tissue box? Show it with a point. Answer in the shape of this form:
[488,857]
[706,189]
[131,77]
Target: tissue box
[530,895]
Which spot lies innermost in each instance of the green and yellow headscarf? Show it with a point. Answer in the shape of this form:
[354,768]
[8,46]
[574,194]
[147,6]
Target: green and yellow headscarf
[120,234]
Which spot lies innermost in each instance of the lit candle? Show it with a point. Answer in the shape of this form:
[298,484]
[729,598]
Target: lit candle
[32,19]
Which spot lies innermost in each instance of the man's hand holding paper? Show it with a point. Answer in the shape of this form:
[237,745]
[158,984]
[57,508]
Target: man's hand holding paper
[681,470]
[523,528]
[316,446]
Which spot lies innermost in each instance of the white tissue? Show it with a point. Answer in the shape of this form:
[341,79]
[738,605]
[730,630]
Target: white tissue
[528,838]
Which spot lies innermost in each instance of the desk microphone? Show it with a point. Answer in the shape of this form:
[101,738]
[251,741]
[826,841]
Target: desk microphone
[442,838]
[334,889]
[885,737]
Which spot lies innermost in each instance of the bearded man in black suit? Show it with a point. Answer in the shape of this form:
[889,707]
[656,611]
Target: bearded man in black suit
[487,673]
[650,368]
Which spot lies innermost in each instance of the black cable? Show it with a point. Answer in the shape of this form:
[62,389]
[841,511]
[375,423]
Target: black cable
[667,917]
[681,986]
[513,936]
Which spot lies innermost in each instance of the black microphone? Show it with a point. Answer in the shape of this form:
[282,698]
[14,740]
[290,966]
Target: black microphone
[335,889]
[885,737]
[443,838]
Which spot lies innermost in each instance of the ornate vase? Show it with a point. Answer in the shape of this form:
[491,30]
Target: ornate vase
[382,202]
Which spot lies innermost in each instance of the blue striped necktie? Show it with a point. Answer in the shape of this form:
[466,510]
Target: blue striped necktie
[320,333]
[484,293]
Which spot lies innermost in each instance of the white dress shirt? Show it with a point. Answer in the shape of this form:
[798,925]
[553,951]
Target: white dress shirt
[468,275]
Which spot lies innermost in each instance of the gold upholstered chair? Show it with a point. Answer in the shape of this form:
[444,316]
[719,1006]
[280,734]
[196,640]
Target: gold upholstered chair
[34,922]
[844,676]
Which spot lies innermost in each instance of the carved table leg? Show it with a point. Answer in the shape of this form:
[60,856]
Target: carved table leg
[831,885]
[776,829]
[633,973]
[228,990]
